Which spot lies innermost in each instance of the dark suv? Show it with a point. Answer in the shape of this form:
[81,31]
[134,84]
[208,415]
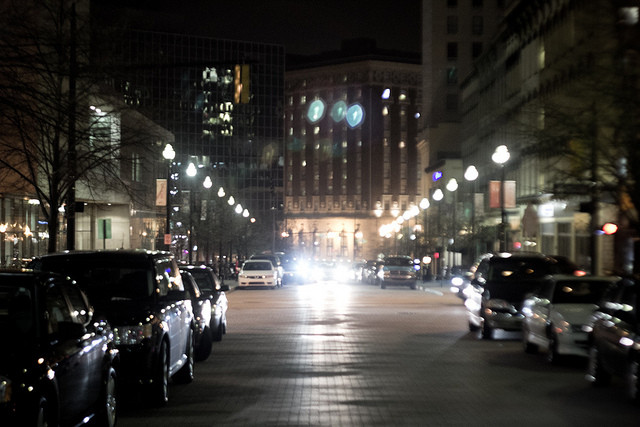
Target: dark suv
[142,296]
[500,284]
[58,364]
[397,271]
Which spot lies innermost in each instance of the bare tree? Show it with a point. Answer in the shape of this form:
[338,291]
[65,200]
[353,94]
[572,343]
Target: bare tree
[53,137]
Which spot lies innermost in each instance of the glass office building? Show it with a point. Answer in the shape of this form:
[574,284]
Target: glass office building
[223,100]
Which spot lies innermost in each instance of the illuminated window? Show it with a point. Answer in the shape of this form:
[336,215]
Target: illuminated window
[303,99]
[386,93]
[403,96]
[385,111]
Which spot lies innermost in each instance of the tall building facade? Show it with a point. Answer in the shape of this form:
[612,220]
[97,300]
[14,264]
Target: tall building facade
[552,88]
[454,34]
[223,101]
[351,154]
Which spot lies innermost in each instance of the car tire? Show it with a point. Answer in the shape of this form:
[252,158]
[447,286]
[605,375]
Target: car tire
[528,346]
[45,415]
[108,411]
[159,393]
[204,348]
[552,350]
[185,374]
[219,331]
[487,331]
[595,371]
[633,383]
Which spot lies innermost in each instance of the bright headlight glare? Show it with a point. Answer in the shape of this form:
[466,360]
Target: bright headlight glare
[131,335]
[5,390]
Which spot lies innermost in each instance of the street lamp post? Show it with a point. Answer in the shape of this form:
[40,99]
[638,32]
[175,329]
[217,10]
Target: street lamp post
[438,195]
[169,154]
[191,172]
[452,186]
[500,157]
[471,174]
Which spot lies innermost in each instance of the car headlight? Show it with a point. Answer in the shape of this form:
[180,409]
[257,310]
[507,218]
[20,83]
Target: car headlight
[131,335]
[5,390]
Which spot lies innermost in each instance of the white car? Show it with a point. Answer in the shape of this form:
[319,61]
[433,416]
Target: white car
[258,273]
[557,316]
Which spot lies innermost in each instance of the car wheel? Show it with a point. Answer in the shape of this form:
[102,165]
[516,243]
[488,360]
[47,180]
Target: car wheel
[219,331]
[487,331]
[108,411]
[596,372]
[552,350]
[527,345]
[204,347]
[45,416]
[160,386]
[185,374]
[633,385]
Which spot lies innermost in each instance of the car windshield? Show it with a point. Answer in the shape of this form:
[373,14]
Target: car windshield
[579,291]
[520,269]
[398,262]
[17,314]
[254,266]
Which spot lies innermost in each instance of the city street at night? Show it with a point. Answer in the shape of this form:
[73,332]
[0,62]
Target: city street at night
[332,353]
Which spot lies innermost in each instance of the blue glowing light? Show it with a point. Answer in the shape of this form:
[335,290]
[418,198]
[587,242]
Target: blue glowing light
[437,175]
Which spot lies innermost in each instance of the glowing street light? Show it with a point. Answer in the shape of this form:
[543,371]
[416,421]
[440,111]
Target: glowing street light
[500,156]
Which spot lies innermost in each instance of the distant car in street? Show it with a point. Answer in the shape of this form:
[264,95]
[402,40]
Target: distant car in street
[500,284]
[275,261]
[370,271]
[58,364]
[212,288]
[556,316]
[141,294]
[397,271]
[258,273]
[614,339]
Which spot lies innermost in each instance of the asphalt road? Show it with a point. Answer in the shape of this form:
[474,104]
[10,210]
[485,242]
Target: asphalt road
[330,354]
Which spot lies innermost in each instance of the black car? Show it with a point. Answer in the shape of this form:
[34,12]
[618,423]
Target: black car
[142,296]
[614,339]
[213,289]
[500,284]
[58,364]
[202,317]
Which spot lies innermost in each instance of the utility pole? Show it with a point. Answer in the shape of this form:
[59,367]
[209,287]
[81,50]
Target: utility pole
[73,72]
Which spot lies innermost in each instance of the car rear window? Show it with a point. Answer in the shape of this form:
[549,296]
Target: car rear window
[580,292]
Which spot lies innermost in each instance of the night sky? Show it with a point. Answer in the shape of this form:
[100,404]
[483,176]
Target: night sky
[302,26]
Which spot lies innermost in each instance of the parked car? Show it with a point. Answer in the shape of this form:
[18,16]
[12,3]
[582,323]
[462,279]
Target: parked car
[212,287]
[614,339]
[141,294]
[258,273]
[556,316]
[275,261]
[201,305]
[370,271]
[397,271]
[499,286]
[58,364]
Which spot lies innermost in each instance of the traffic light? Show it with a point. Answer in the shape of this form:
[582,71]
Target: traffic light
[609,228]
